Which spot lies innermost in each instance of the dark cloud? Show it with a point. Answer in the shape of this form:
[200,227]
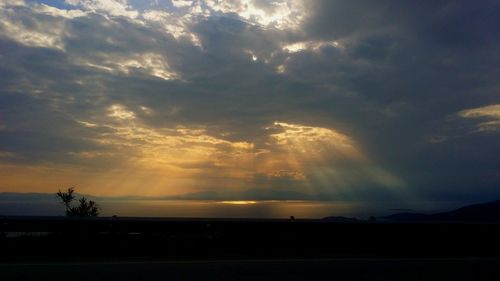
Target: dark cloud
[394,82]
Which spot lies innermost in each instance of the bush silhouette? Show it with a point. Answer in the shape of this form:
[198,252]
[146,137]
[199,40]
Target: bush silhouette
[85,208]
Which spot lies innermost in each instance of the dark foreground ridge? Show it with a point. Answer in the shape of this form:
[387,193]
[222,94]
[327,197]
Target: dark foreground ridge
[459,245]
[62,239]
[335,248]
[360,269]
[471,231]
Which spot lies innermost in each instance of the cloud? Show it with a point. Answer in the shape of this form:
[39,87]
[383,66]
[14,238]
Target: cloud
[147,63]
[282,14]
[111,7]
[45,29]
[322,99]
[182,3]
[13,3]
[489,112]
[311,45]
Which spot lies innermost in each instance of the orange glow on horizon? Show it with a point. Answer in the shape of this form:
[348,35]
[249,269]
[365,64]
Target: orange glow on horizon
[239,202]
[148,161]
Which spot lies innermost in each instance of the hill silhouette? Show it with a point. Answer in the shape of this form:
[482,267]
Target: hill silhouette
[485,212]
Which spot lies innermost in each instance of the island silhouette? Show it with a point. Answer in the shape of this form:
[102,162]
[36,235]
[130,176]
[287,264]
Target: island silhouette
[484,212]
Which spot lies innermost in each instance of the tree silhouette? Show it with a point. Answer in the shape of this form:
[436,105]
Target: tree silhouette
[85,208]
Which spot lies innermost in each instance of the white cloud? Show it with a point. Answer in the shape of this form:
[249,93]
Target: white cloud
[110,7]
[283,14]
[55,12]
[182,3]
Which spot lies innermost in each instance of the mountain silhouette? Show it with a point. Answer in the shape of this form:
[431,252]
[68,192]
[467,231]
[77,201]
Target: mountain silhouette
[340,219]
[485,212]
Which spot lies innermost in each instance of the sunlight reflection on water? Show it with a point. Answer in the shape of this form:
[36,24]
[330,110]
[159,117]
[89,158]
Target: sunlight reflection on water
[238,202]
[228,209]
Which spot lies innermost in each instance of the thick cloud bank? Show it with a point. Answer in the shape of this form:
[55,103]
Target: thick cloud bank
[251,99]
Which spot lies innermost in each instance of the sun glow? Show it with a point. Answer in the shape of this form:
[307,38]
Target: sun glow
[309,45]
[239,202]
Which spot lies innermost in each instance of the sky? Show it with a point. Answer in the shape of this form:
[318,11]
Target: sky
[344,101]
